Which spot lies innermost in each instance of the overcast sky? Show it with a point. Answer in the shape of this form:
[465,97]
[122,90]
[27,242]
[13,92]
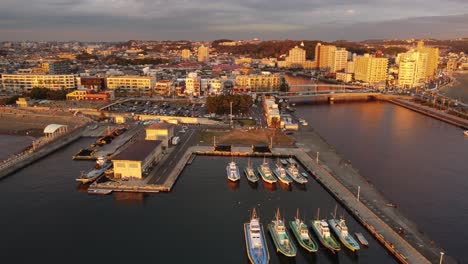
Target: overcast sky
[116,20]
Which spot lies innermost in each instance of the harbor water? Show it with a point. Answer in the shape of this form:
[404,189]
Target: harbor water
[459,89]
[47,217]
[417,162]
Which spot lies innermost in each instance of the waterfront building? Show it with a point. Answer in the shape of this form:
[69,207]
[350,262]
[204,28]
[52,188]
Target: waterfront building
[163,87]
[412,69]
[203,54]
[432,59]
[131,83]
[192,84]
[259,83]
[186,54]
[344,77]
[90,95]
[370,70]
[136,159]
[160,131]
[26,82]
[340,58]
[325,56]
[296,58]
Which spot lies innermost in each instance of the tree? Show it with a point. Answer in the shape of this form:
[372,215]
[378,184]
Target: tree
[284,87]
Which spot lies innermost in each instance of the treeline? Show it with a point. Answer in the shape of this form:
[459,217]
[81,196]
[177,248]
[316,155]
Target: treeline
[220,104]
[47,94]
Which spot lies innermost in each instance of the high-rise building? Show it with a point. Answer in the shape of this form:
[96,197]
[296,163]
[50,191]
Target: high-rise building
[203,54]
[59,67]
[297,57]
[370,69]
[412,69]
[192,84]
[325,56]
[186,54]
[340,58]
[432,59]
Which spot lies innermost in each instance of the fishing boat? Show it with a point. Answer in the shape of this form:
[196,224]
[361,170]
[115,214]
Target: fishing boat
[302,234]
[280,237]
[232,172]
[293,172]
[284,162]
[305,175]
[341,230]
[250,173]
[291,161]
[102,164]
[362,239]
[257,249]
[265,172]
[322,231]
[280,172]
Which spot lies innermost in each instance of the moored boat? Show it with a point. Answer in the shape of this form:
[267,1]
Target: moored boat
[322,231]
[291,160]
[102,164]
[257,249]
[305,175]
[293,172]
[265,172]
[341,230]
[280,172]
[280,237]
[284,162]
[360,237]
[302,234]
[232,172]
[466,133]
[250,173]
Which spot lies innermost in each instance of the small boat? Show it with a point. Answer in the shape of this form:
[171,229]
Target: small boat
[322,231]
[284,162]
[341,230]
[250,173]
[280,237]
[280,172]
[362,239]
[291,161]
[293,172]
[265,172]
[305,175]
[302,234]
[102,164]
[257,249]
[232,172]
[99,191]
[466,133]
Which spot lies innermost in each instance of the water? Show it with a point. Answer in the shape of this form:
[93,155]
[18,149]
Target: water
[418,162]
[459,90]
[45,217]
[13,144]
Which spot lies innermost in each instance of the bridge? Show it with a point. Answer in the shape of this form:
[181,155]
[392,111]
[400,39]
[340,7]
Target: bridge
[338,86]
[328,96]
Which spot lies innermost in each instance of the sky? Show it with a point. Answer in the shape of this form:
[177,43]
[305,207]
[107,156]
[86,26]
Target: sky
[121,20]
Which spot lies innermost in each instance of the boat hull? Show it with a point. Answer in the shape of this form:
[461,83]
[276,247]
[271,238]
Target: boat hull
[329,243]
[362,239]
[348,241]
[287,251]
[251,178]
[284,179]
[231,177]
[297,178]
[256,256]
[309,245]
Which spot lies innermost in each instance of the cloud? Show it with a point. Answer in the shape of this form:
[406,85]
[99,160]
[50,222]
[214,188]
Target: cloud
[208,19]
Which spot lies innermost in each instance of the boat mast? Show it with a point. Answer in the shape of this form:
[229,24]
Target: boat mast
[334,214]
[318,213]
[297,213]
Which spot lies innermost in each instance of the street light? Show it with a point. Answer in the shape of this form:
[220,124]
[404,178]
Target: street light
[441,257]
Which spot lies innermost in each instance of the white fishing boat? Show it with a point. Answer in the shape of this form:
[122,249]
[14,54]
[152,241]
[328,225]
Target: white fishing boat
[293,172]
[232,171]
[257,249]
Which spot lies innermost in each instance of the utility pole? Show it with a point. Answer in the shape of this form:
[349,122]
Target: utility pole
[358,192]
[230,103]
[317,160]
[441,257]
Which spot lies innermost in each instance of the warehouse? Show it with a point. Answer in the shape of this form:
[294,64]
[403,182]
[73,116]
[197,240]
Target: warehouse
[160,131]
[136,159]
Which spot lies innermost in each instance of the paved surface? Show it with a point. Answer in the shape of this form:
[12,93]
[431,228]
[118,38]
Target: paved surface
[350,179]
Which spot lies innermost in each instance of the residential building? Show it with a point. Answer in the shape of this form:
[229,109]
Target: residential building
[91,83]
[271,111]
[412,69]
[59,67]
[26,82]
[203,54]
[192,84]
[370,70]
[350,66]
[163,87]
[136,159]
[296,58]
[215,86]
[160,131]
[432,59]
[90,95]
[340,59]
[186,54]
[131,83]
[344,77]
[325,56]
[259,83]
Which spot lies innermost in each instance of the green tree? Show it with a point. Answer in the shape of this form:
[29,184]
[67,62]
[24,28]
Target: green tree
[284,86]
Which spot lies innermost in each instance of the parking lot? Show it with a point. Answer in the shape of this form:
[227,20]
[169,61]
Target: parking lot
[160,108]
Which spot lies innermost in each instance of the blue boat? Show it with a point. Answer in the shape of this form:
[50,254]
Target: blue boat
[257,249]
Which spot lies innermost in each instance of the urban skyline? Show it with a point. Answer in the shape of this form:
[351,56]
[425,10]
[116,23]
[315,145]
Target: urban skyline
[207,20]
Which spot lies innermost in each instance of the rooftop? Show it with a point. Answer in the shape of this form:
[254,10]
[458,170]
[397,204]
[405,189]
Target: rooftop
[138,150]
[159,126]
